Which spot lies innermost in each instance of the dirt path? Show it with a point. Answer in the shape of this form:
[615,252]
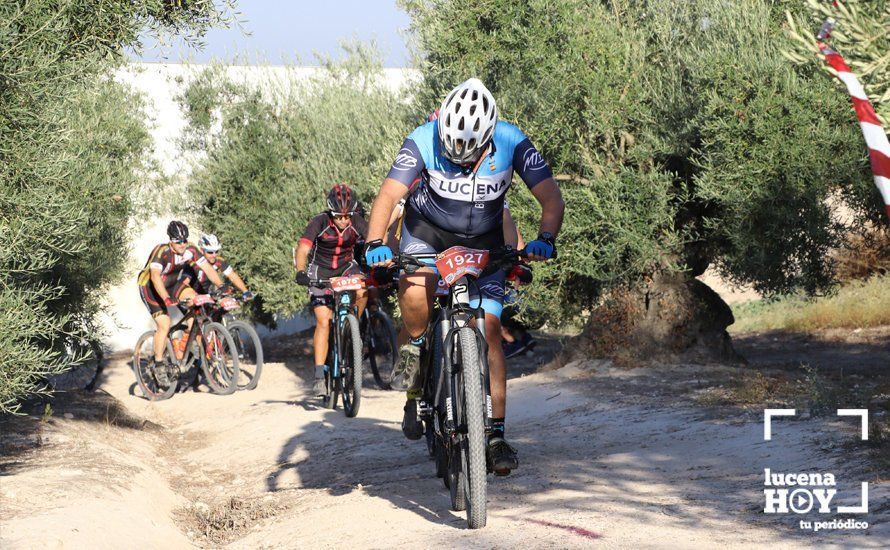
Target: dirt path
[618,458]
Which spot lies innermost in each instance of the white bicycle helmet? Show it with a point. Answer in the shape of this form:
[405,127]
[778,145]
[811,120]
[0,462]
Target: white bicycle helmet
[466,121]
[209,243]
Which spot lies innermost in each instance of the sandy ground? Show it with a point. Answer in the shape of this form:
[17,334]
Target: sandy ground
[609,457]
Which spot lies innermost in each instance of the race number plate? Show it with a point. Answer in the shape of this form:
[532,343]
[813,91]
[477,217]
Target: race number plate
[342,284]
[229,304]
[458,261]
[202,299]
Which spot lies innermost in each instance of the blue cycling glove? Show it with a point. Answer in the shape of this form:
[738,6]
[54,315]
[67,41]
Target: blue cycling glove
[540,248]
[377,252]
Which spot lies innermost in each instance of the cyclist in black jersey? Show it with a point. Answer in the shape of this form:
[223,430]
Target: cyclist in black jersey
[326,250]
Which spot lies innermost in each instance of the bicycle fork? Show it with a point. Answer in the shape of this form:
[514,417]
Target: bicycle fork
[452,412]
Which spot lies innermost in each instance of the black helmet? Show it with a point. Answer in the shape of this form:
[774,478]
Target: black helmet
[341,200]
[177,231]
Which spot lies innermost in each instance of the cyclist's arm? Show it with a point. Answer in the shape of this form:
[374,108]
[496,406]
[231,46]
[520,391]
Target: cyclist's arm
[532,168]
[404,172]
[512,236]
[396,214]
[158,283]
[553,207]
[390,193]
[301,256]
[211,273]
[236,280]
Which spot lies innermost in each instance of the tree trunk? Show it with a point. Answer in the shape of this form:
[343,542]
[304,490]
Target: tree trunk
[672,317]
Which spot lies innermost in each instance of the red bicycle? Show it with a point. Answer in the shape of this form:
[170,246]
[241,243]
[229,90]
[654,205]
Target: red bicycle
[207,347]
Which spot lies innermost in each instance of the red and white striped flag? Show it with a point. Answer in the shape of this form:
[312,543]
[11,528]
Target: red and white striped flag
[875,137]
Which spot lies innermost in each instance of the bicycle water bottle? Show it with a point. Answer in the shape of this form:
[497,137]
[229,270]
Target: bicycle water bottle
[179,346]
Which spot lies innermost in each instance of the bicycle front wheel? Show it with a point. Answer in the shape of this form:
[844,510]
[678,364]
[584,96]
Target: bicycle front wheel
[351,366]
[155,385]
[250,354]
[219,359]
[472,447]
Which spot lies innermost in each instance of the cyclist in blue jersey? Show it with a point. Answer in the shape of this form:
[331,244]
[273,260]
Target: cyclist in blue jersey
[465,160]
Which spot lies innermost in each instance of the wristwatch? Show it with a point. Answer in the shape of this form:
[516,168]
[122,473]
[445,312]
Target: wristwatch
[548,238]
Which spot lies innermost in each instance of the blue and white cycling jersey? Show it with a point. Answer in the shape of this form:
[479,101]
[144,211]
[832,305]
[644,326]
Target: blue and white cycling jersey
[457,199]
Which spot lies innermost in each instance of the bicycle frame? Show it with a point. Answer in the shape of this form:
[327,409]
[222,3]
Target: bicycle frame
[200,317]
[454,314]
[343,302]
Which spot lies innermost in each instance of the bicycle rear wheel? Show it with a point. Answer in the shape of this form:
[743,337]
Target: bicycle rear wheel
[250,354]
[383,352]
[219,359]
[154,387]
[472,447]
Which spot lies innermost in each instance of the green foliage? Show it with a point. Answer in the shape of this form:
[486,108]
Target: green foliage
[759,147]
[571,75]
[281,144]
[861,35]
[681,136]
[72,149]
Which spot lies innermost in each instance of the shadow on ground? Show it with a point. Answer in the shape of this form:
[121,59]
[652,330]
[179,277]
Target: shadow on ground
[828,351]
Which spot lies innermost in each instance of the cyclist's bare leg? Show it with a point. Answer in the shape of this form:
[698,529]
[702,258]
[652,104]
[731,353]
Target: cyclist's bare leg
[500,455]
[416,302]
[496,366]
[361,300]
[160,339]
[323,316]
[185,295]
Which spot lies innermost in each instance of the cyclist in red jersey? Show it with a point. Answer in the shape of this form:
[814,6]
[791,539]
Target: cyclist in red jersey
[326,250]
[158,279]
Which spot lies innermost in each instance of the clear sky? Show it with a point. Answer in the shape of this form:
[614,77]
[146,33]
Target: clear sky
[292,31]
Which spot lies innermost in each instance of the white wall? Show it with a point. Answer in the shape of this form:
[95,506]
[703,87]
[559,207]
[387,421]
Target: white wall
[127,317]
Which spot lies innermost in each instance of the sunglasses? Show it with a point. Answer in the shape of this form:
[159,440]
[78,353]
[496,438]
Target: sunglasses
[209,253]
[342,216]
[178,241]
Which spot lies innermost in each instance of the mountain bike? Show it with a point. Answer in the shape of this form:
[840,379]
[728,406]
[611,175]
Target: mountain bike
[248,346]
[456,402]
[379,335]
[207,346]
[344,372]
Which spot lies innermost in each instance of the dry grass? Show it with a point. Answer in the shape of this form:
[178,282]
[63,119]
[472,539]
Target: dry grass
[859,304]
[750,389]
[226,521]
[866,253]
